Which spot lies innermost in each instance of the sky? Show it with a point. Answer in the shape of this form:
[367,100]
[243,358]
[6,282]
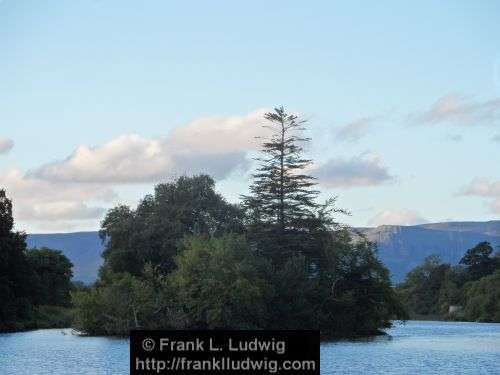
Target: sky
[101,99]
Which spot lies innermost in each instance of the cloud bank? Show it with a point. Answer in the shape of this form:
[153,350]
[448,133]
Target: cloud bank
[55,203]
[213,145]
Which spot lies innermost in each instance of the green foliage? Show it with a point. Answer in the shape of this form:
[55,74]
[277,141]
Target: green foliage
[152,232]
[15,274]
[483,299]
[79,286]
[220,284]
[478,261]
[421,288]
[431,288]
[450,291]
[355,291]
[52,277]
[34,284]
[291,298]
[126,302]
[51,317]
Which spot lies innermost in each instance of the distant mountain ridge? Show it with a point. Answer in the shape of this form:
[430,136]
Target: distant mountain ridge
[491,228]
[401,248]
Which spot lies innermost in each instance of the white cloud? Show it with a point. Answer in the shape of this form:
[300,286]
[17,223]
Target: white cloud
[460,110]
[397,217]
[219,134]
[5,145]
[128,158]
[487,189]
[37,201]
[353,131]
[213,145]
[363,170]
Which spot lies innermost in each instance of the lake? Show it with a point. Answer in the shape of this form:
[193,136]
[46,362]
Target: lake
[417,347]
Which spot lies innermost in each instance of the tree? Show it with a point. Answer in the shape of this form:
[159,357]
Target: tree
[52,276]
[478,261]
[354,296]
[281,208]
[220,284]
[152,232]
[15,273]
[291,301]
[422,286]
[126,302]
[312,256]
[431,288]
[483,299]
[450,292]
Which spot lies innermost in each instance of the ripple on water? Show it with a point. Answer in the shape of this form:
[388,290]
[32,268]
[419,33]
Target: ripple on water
[416,347]
[419,347]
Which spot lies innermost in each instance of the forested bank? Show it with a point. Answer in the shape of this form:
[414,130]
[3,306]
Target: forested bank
[468,291]
[185,258]
[34,284]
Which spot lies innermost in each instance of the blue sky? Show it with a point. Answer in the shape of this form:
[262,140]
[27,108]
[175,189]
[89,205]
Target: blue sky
[402,101]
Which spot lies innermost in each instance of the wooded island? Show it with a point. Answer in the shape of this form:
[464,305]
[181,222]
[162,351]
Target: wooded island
[185,258]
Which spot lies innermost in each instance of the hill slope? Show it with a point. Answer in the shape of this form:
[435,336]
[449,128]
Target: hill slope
[82,248]
[401,248]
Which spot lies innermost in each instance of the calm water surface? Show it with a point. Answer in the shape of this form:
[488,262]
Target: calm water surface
[414,348]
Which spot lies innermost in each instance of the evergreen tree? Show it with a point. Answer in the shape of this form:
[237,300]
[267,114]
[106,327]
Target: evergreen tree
[282,210]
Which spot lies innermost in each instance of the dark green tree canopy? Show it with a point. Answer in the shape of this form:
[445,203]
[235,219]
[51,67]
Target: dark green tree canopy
[152,232]
[15,273]
[221,284]
[6,219]
[431,288]
[356,294]
[420,290]
[53,272]
[478,261]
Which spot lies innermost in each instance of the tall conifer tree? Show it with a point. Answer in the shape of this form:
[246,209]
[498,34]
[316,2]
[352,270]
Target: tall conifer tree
[281,206]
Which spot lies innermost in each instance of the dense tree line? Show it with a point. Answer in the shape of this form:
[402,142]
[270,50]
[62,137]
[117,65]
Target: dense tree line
[472,287]
[34,284]
[186,258]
